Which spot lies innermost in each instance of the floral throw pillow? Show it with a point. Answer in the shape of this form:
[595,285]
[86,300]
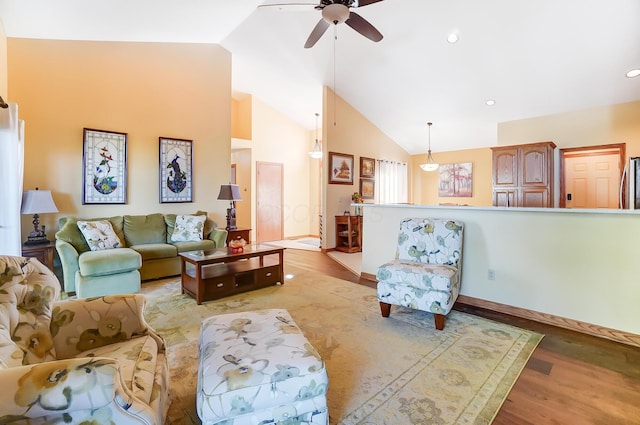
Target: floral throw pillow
[188,228]
[99,235]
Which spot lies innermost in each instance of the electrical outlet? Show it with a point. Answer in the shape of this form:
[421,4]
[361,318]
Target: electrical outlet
[491,274]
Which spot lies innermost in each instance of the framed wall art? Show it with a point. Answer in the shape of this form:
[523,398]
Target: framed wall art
[455,180]
[367,167]
[104,165]
[367,188]
[176,174]
[340,168]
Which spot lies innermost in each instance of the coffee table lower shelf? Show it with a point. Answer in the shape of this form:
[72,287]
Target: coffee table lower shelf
[220,280]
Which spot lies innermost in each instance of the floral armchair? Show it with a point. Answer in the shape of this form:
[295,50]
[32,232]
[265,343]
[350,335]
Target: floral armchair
[85,361]
[425,274]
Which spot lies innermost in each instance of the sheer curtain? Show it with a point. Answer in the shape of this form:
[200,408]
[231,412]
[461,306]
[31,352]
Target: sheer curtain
[392,182]
[11,172]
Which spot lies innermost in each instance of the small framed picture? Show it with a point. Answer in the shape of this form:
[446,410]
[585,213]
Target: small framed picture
[368,188]
[176,174]
[367,167]
[340,168]
[104,167]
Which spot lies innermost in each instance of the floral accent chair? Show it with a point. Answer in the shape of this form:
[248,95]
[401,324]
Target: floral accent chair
[84,361]
[425,274]
[257,367]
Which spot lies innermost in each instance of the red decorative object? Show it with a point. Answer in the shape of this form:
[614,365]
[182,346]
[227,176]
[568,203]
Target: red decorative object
[237,245]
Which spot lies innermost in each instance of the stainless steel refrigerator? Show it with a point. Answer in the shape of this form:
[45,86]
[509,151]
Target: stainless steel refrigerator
[632,174]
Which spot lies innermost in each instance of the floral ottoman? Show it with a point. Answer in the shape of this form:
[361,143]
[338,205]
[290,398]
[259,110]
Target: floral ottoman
[257,367]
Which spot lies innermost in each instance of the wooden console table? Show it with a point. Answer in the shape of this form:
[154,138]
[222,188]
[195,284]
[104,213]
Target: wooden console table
[209,275]
[349,233]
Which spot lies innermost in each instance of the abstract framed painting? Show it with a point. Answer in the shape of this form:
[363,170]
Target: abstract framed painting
[455,180]
[176,173]
[340,168]
[104,162]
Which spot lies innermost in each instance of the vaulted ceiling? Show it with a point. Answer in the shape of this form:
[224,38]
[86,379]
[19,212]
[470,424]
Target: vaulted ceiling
[532,58]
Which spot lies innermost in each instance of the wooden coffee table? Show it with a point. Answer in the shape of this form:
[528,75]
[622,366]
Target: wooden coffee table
[209,275]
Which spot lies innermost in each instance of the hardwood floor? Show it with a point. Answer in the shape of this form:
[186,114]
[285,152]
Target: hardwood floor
[571,378]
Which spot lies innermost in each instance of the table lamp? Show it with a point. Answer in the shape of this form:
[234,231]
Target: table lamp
[230,192]
[37,202]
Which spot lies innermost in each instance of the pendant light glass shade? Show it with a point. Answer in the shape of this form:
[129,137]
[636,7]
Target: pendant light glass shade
[431,164]
[316,153]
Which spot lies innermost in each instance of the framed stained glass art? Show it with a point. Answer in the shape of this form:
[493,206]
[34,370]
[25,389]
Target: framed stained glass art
[104,161]
[176,174]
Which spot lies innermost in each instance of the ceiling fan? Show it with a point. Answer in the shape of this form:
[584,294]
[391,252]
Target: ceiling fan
[336,12]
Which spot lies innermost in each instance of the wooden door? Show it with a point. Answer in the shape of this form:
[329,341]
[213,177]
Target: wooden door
[504,197]
[592,180]
[269,201]
[505,167]
[533,166]
[534,197]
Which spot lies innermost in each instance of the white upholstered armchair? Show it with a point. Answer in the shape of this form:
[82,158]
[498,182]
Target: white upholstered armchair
[425,275]
[84,361]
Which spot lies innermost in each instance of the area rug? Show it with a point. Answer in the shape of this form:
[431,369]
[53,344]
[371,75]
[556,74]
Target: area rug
[305,244]
[310,241]
[397,370]
[350,260]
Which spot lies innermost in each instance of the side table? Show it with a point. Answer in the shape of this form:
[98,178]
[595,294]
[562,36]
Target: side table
[239,234]
[43,252]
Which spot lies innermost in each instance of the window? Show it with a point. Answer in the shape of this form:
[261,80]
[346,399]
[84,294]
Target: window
[392,182]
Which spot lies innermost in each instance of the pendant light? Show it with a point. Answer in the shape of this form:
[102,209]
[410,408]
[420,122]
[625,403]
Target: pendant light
[316,153]
[431,164]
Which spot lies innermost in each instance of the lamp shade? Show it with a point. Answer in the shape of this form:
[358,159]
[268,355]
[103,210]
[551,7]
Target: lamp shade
[37,202]
[230,192]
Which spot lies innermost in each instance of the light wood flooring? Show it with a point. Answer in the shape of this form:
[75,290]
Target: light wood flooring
[571,378]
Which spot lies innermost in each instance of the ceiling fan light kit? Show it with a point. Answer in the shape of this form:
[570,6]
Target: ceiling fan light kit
[335,13]
[338,12]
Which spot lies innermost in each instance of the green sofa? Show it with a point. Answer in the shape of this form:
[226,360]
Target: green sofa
[147,253]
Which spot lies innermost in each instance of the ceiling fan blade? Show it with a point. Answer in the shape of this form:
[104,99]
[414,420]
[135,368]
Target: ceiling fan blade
[363,26]
[362,3]
[317,32]
[281,5]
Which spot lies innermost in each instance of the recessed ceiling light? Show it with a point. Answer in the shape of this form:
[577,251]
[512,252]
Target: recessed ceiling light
[490,102]
[452,38]
[633,73]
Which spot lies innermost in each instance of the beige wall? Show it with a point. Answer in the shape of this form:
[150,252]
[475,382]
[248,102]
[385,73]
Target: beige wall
[277,139]
[425,184]
[242,159]
[355,135]
[595,126]
[241,109]
[3,64]
[147,90]
[590,127]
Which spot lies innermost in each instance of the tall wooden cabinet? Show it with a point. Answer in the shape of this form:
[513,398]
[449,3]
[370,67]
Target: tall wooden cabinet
[523,175]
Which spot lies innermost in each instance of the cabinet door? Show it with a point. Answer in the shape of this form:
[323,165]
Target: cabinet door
[505,167]
[534,197]
[534,165]
[505,197]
